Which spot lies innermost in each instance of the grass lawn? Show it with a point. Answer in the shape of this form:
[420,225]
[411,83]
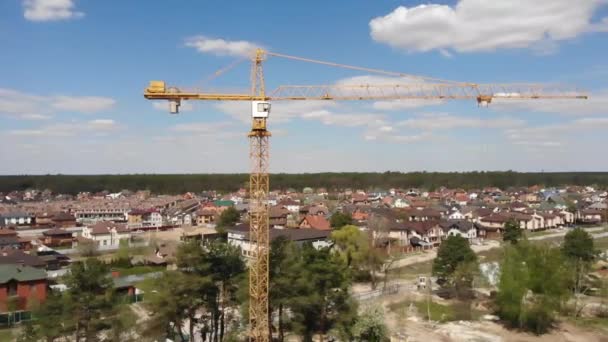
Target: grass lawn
[438,312]
[139,270]
[412,271]
[8,334]
[601,243]
[147,285]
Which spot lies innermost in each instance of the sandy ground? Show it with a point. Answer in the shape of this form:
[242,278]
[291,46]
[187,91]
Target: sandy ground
[408,326]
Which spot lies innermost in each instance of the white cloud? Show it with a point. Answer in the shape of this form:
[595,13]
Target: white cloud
[404,104]
[26,106]
[221,47]
[346,120]
[442,121]
[556,135]
[82,104]
[50,10]
[67,129]
[481,25]
[280,112]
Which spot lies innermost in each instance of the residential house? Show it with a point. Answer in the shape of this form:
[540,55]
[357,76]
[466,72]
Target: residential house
[18,257]
[401,203]
[57,237]
[239,236]
[428,231]
[277,217]
[466,229]
[206,215]
[456,215]
[107,234]
[100,212]
[590,216]
[427,214]
[359,198]
[145,218]
[315,222]
[21,284]
[290,205]
[63,220]
[16,219]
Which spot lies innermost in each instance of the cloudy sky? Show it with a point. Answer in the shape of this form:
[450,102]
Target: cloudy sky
[72,73]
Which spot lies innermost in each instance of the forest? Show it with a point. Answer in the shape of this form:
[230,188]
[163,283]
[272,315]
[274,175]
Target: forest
[180,183]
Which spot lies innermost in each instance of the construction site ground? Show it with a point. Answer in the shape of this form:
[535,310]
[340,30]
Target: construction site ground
[407,323]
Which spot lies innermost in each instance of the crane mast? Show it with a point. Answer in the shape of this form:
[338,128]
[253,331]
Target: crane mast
[425,88]
[259,185]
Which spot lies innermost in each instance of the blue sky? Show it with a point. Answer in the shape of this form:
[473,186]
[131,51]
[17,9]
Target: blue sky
[73,72]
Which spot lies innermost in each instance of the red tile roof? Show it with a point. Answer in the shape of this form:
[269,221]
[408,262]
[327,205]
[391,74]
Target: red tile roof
[317,222]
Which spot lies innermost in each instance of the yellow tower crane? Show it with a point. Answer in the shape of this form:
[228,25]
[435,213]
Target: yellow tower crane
[425,88]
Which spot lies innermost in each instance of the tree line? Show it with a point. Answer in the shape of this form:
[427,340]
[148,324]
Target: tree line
[180,183]
[207,296]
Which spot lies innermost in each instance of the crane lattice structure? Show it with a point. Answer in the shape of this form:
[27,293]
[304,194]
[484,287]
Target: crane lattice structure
[405,87]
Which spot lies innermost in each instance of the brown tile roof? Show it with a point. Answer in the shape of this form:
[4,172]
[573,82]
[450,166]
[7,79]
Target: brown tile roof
[18,257]
[56,232]
[7,232]
[102,227]
[317,222]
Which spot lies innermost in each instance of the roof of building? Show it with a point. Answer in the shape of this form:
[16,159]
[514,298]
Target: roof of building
[461,225]
[63,216]
[223,203]
[8,240]
[20,273]
[18,257]
[292,234]
[56,232]
[104,227]
[420,227]
[317,222]
[7,232]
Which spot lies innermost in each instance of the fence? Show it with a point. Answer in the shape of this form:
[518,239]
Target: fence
[389,290]
[8,319]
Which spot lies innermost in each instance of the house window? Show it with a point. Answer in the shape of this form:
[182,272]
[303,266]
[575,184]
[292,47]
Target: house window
[12,288]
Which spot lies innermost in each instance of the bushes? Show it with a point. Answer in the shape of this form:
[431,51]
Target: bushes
[534,283]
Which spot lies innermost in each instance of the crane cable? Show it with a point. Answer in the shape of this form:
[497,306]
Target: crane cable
[377,71]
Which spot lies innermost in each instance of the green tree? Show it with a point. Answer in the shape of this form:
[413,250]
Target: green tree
[356,250]
[534,282]
[228,218]
[578,245]
[284,270]
[175,304]
[324,302]
[370,326]
[222,263]
[513,232]
[89,296]
[339,220]
[452,253]
[351,244]
[579,251]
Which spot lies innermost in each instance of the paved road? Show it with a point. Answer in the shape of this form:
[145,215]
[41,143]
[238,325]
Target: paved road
[487,245]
